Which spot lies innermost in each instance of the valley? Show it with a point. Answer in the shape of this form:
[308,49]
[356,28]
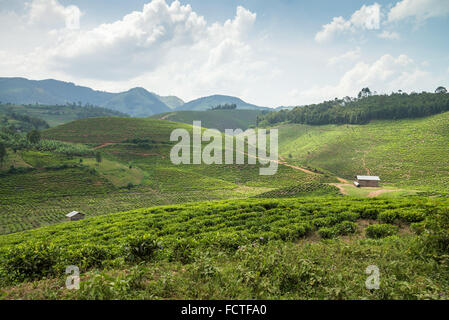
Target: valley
[189,222]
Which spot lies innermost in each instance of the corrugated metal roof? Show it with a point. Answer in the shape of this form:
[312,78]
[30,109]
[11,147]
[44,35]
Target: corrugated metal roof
[368,178]
[72,214]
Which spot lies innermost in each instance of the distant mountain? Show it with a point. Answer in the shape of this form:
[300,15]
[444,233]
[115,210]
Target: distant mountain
[171,101]
[50,92]
[207,103]
[136,102]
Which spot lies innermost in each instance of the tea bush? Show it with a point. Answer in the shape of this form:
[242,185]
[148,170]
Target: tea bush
[378,231]
[30,261]
[141,248]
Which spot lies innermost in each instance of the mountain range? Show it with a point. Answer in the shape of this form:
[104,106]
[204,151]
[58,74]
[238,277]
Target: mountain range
[137,102]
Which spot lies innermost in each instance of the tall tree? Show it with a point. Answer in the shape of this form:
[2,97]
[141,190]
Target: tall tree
[98,157]
[34,137]
[441,90]
[366,92]
[2,153]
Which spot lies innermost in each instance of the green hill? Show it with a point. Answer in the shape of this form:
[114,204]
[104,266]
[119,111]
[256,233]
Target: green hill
[21,116]
[215,119]
[404,153]
[137,102]
[172,102]
[135,172]
[206,103]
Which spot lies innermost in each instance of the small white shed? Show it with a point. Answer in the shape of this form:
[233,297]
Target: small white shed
[75,216]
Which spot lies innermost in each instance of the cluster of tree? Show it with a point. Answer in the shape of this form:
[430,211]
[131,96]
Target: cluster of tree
[225,107]
[364,109]
[33,122]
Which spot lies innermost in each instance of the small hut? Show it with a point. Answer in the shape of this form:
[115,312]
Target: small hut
[368,181]
[75,216]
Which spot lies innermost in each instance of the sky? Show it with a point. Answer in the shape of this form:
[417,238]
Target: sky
[269,53]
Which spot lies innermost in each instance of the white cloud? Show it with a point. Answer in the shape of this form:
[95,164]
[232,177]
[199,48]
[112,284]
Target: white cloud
[418,9]
[386,74]
[366,18]
[389,35]
[143,41]
[51,14]
[351,55]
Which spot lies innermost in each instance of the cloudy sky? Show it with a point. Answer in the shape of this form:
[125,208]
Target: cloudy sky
[270,53]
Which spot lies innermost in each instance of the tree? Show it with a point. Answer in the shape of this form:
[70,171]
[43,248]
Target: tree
[34,137]
[441,90]
[98,157]
[2,153]
[366,92]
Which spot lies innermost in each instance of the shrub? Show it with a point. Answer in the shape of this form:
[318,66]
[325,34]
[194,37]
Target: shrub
[378,231]
[141,248]
[183,251]
[88,256]
[388,216]
[327,233]
[435,236]
[410,216]
[345,228]
[30,261]
[368,213]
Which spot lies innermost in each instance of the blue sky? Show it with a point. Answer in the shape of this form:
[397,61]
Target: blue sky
[269,53]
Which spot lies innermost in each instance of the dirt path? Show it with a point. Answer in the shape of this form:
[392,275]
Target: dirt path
[166,116]
[376,193]
[340,187]
[342,180]
[104,145]
[295,167]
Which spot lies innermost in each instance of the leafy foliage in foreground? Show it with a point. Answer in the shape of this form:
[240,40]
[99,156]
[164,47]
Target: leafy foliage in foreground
[226,226]
[409,267]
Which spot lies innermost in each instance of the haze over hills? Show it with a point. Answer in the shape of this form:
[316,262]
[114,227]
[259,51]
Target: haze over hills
[206,103]
[172,102]
[137,102]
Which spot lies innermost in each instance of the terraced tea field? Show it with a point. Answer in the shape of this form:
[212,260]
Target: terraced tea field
[411,154]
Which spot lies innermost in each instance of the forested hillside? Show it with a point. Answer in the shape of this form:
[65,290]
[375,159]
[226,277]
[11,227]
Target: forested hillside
[364,109]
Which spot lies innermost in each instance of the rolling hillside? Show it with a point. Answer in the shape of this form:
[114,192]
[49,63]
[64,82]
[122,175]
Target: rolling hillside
[407,153]
[135,102]
[215,119]
[135,172]
[206,103]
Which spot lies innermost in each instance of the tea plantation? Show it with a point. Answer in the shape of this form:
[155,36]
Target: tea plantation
[271,246]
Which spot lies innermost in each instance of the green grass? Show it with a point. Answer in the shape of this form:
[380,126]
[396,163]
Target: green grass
[406,153]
